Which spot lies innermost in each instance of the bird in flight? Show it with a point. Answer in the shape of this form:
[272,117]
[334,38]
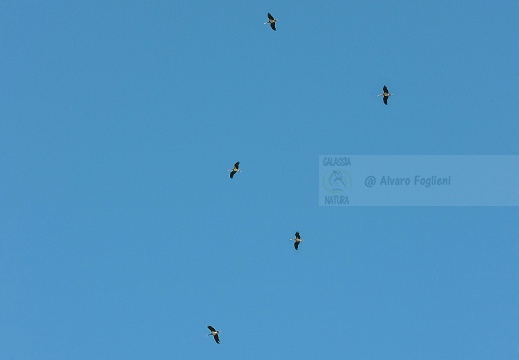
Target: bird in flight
[271,21]
[297,240]
[385,94]
[214,333]
[235,170]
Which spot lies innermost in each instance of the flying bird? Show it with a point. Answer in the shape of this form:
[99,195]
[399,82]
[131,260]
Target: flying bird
[385,94]
[271,21]
[235,170]
[297,240]
[214,333]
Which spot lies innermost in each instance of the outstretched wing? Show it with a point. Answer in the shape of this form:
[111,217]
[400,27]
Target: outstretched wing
[270,16]
[237,165]
[385,89]
[297,235]
[232,174]
[273,26]
[217,339]
[211,328]
[385,99]
[296,244]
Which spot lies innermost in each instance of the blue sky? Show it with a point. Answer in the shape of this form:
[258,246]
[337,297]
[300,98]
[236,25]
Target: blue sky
[122,236]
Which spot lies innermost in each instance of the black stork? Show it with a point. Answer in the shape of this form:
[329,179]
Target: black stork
[214,333]
[271,21]
[297,240]
[385,94]
[235,170]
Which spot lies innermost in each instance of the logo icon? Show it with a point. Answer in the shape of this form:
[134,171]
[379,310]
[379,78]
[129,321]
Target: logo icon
[337,181]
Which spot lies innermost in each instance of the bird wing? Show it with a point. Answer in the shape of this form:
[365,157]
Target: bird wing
[232,174]
[270,16]
[385,99]
[216,339]
[297,235]
[211,328]
[385,89]
[237,165]
[296,244]
[273,26]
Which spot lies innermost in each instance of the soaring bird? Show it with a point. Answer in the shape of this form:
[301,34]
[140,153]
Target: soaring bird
[214,333]
[271,21]
[235,170]
[297,240]
[385,94]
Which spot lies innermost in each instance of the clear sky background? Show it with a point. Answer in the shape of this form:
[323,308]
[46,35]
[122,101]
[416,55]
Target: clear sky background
[122,236]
